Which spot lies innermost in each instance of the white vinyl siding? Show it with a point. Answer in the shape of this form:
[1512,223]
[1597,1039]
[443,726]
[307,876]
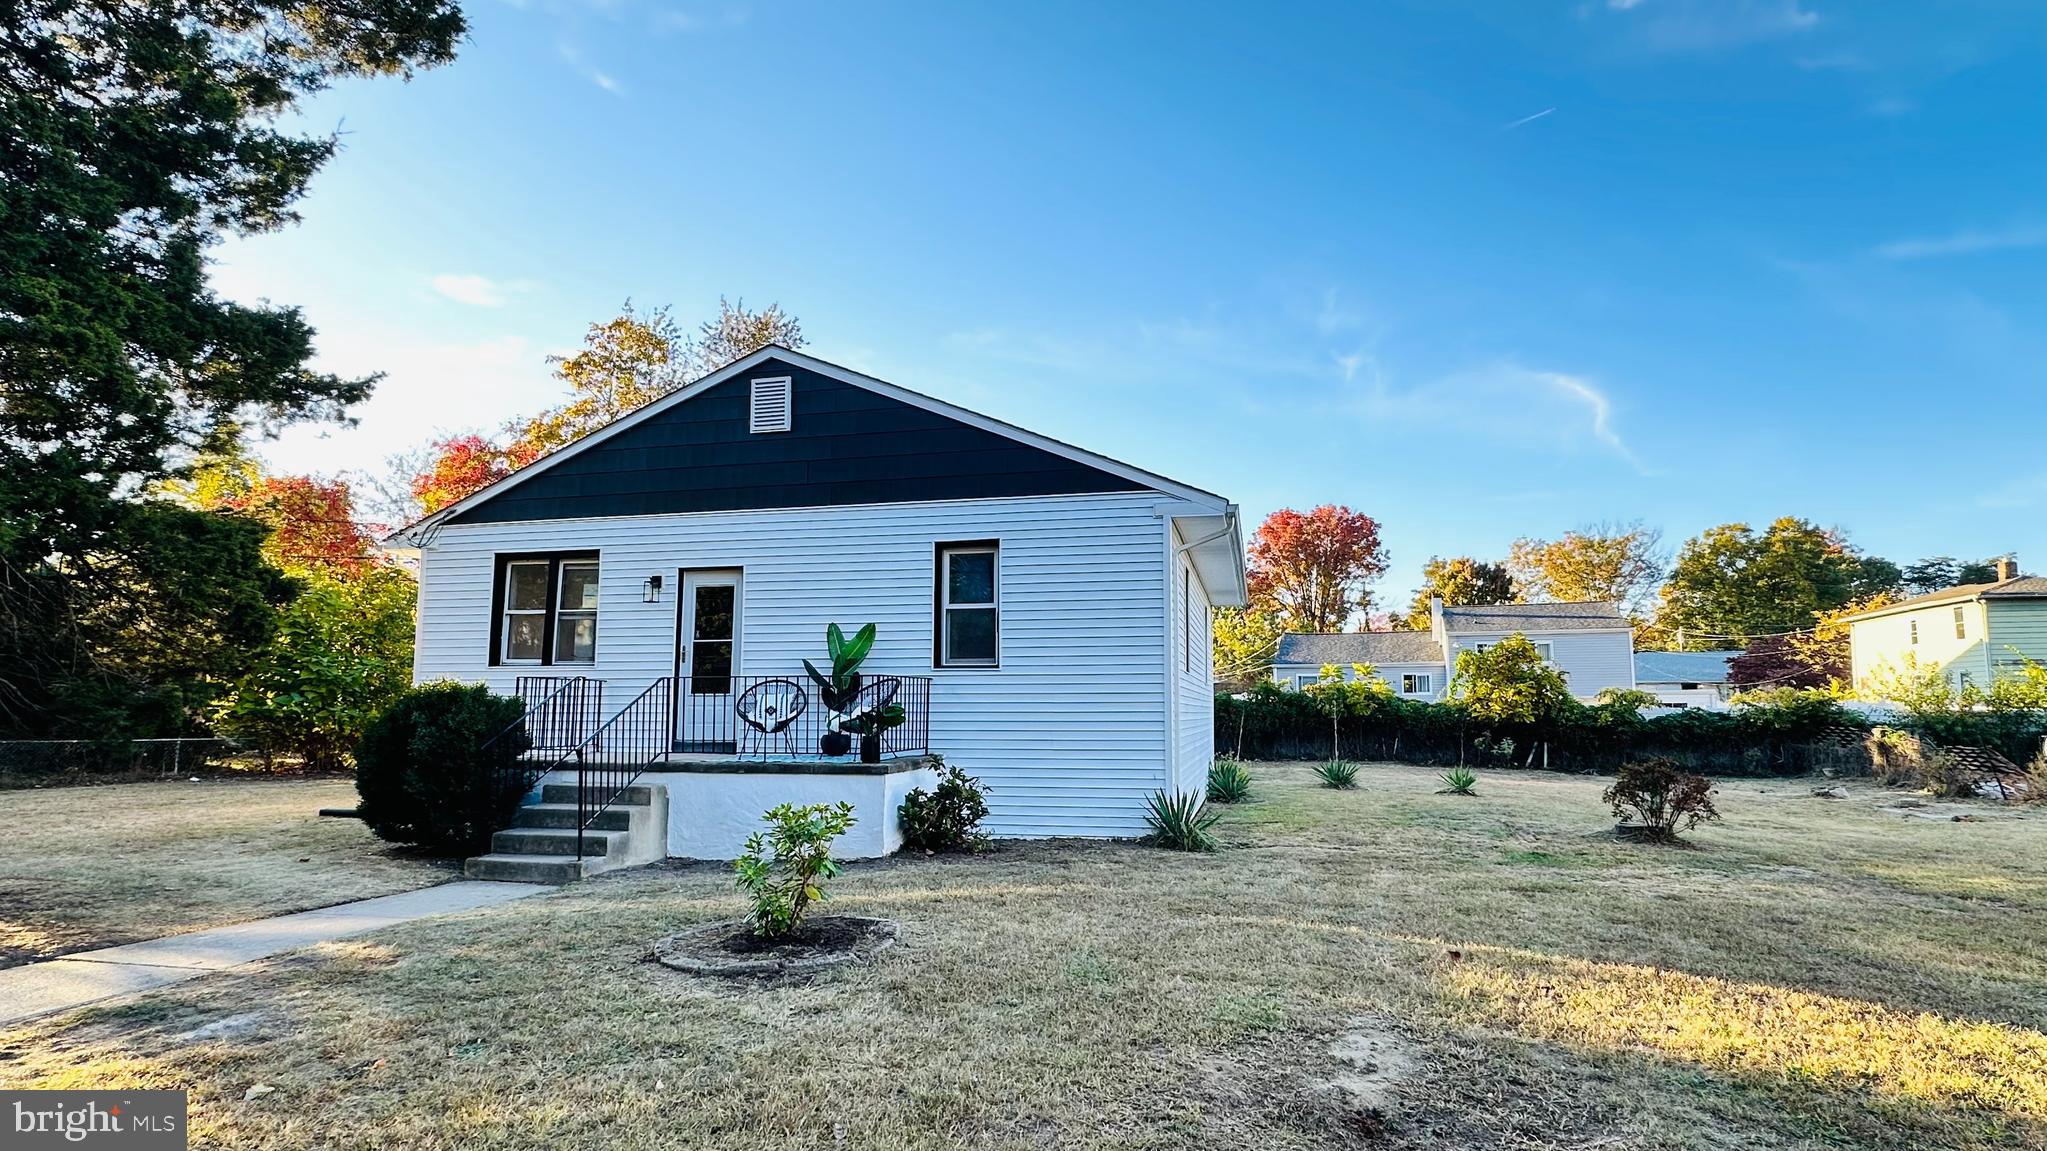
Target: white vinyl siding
[1591,661]
[1395,675]
[1188,653]
[1071,730]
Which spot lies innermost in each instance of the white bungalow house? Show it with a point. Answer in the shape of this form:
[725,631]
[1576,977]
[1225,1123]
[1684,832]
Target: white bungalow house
[1591,643]
[1042,617]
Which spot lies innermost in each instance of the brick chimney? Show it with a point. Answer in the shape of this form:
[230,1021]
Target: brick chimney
[2008,567]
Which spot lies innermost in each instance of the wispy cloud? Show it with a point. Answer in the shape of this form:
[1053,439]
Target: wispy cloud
[1964,243]
[1504,402]
[1711,25]
[590,72]
[478,291]
[1527,120]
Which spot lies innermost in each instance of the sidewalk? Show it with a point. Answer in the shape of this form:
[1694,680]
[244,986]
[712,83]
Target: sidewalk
[75,980]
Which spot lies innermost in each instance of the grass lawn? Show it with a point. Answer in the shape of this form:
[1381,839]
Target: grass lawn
[86,867]
[1385,967]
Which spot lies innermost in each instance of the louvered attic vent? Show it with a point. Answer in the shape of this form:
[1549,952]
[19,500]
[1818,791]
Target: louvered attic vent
[770,405]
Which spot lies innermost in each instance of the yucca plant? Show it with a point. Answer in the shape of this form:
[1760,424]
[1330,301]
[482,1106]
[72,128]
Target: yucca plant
[1341,774]
[1179,822]
[1459,781]
[1228,782]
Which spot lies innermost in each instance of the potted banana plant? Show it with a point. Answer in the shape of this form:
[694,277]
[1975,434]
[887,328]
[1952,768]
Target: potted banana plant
[838,690]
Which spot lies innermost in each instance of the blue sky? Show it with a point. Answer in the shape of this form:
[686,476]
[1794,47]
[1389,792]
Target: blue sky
[1481,271]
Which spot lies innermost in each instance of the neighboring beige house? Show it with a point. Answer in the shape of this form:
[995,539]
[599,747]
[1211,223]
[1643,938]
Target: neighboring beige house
[1974,633]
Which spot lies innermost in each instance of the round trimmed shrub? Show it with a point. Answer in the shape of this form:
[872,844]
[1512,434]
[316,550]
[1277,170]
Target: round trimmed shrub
[423,772]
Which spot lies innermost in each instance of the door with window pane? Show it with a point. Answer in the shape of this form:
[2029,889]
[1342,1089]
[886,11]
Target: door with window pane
[706,660]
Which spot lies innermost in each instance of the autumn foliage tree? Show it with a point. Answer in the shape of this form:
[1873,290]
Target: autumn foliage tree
[1620,563]
[1462,582]
[1315,569]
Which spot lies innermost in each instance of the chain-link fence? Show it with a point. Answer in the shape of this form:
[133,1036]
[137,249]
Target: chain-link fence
[48,762]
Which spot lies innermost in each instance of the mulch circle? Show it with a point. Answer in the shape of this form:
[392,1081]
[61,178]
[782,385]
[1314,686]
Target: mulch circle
[730,948]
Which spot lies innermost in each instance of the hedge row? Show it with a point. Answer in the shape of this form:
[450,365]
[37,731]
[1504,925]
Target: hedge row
[1774,733]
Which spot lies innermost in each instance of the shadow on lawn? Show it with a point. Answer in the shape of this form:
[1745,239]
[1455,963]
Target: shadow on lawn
[1867,1067]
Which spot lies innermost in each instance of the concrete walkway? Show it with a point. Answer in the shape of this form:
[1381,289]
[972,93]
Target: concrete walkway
[76,980]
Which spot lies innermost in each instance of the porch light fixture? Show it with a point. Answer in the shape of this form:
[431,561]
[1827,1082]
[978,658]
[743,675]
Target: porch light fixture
[650,592]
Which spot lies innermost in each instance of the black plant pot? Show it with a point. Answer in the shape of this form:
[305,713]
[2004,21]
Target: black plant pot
[870,749]
[834,743]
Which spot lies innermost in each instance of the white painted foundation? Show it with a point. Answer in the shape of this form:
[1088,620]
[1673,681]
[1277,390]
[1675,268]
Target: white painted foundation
[710,814]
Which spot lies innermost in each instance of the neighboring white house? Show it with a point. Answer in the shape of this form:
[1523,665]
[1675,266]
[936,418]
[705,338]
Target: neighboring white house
[1042,611]
[1591,643]
[1685,678]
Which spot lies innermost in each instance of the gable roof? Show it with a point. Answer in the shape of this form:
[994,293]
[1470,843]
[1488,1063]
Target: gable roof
[2021,587]
[1374,647]
[1588,615]
[1112,474]
[1682,666]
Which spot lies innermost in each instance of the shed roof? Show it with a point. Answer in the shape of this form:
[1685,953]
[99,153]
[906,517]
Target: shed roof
[1682,666]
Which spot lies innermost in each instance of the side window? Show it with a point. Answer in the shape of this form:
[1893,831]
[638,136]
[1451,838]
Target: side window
[1915,631]
[1961,624]
[545,609]
[968,605]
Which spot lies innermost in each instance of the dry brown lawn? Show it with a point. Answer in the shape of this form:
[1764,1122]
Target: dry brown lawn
[85,867]
[1385,967]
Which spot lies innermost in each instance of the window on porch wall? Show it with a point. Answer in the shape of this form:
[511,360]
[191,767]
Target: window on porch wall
[547,610]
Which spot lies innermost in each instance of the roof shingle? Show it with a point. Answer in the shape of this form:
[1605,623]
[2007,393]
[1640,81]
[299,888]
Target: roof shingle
[1513,617]
[1373,647]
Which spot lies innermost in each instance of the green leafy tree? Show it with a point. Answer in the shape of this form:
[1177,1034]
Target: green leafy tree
[132,137]
[1510,689]
[1731,583]
[1244,641]
[1938,573]
[1462,582]
[1617,562]
[341,654]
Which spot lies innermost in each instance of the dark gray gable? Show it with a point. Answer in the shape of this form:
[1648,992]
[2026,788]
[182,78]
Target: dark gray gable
[847,445]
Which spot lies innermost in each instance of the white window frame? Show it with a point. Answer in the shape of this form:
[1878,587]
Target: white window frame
[1544,649]
[1961,622]
[561,587]
[946,607]
[505,627]
[1417,683]
[1302,680]
[1914,627]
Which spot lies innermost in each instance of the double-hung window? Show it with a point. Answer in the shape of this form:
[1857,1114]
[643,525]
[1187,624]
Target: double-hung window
[546,609]
[968,609]
[1961,623]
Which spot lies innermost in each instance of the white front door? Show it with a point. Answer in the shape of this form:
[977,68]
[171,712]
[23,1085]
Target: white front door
[707,659]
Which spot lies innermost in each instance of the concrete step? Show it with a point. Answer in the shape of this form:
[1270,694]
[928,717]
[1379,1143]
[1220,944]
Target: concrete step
[566,793]
[557,841]
[511,867]
[564,815]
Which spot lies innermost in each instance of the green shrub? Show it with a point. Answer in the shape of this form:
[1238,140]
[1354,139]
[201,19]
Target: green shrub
[785,868]
[424,775]
[1460,781]
[1179,822]
[947,818]
[1341,774]
[1228,782]
[1655,799]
